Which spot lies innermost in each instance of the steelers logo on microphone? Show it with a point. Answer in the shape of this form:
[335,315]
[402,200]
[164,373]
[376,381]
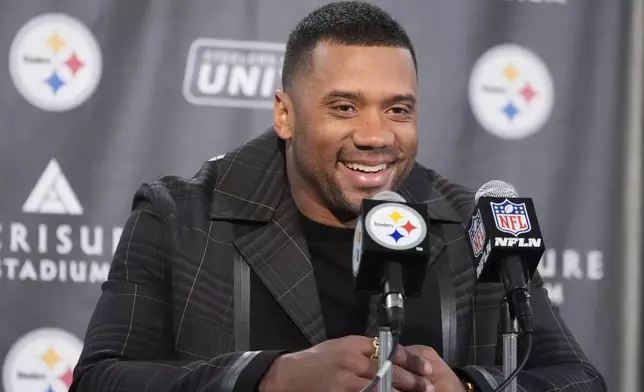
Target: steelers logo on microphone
[395,226]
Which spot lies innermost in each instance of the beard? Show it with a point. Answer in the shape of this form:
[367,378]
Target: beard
[319,173]
[311,167]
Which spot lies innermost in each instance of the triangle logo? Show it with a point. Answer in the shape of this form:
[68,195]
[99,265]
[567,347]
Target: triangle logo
[52,194]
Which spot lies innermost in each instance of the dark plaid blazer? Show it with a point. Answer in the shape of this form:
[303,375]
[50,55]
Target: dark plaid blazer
[173,314]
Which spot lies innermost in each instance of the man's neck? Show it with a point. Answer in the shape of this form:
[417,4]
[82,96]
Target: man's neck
[309,203]
[312,208]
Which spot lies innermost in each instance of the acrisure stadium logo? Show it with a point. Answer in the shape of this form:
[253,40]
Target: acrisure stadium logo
[242,74]
[395,226]
[55,62]
[53,194]
[43,360]
[511,92]
[55,241]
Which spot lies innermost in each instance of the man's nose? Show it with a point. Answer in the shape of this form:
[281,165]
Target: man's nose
[373,134]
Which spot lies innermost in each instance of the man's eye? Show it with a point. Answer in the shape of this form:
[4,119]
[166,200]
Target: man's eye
[344,108]
[400,110]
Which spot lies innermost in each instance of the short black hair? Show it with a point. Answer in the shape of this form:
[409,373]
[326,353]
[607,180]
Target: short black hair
[347,23]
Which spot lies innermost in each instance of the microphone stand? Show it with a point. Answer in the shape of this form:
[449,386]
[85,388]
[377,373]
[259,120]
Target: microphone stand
[509,329]
[385,341]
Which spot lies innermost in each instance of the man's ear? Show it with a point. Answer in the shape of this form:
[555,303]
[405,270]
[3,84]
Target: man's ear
[283,115]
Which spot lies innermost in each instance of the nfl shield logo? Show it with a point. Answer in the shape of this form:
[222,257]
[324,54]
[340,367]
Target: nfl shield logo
[511,217]
[477,234]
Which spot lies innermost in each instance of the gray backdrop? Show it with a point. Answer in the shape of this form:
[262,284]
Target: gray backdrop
[99,96]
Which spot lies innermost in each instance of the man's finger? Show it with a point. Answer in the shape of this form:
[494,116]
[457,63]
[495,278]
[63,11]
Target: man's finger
[402,379]
[356,383]
[370,370]
[362,343]
[363,382]
[407,381]
[411,362]
[425,352]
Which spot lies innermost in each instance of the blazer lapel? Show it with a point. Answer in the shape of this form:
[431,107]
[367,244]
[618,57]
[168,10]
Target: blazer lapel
[278,254]
[252,187]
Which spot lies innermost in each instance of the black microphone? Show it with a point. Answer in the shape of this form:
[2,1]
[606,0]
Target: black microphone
[391,252]
[507,245]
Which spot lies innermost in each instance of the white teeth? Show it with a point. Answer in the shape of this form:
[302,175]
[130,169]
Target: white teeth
[366,168]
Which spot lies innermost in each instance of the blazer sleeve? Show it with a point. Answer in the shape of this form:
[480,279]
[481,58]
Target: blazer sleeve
[556,362]
[129,344]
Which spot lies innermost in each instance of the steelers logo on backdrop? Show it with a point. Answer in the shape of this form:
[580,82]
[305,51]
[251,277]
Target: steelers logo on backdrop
[55,62]
[43,360]
[511,92]
[395,226]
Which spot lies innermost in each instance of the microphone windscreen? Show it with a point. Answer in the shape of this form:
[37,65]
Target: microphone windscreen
[496,188]
[389,196]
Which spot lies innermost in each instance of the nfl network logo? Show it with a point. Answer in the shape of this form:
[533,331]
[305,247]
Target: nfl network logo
[477,234]
[242,74]
[511,218]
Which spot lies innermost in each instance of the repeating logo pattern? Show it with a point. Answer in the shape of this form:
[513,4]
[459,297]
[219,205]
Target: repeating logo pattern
[53,194]
[55,249]
[511,92]
[55,62]
[233,73]
[41,361]
[511,217]
[395,226]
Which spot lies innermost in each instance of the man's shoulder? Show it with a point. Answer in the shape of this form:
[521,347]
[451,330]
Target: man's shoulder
[458,197]
[170,193]
[234,173]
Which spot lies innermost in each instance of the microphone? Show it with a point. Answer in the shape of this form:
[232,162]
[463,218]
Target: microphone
[391,252]
[506,244]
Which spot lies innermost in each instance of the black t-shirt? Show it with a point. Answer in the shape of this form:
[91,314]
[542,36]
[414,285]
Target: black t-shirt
[345,312]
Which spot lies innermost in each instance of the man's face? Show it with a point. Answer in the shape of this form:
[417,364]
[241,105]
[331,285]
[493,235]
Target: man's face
[354,129]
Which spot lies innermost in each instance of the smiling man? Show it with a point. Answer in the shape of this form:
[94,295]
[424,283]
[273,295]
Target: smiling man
[348,116]
[240,278]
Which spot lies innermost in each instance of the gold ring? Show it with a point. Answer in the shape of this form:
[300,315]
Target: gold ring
[376,345]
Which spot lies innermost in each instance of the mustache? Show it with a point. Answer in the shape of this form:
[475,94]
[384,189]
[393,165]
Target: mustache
[388,152]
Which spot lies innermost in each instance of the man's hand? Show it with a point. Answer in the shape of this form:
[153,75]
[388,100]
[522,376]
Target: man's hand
[344,365]
[442,377]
